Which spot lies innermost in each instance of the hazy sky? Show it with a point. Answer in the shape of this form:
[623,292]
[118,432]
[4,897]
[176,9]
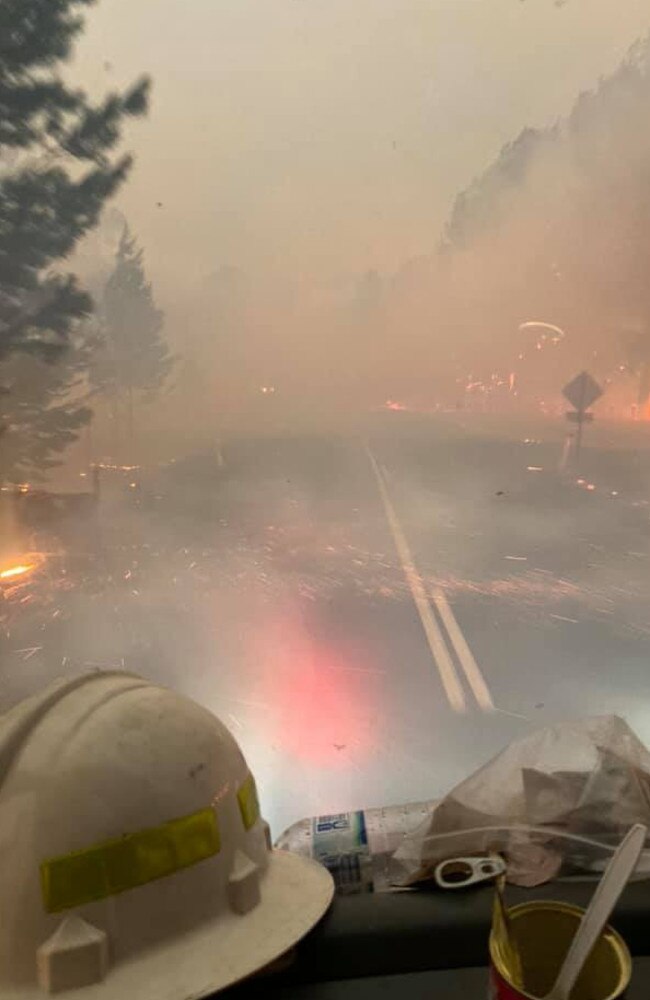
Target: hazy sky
[318,137]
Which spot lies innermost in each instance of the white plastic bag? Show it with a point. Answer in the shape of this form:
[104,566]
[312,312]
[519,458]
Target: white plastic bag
[557,801]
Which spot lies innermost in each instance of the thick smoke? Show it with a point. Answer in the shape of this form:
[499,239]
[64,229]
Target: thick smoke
[557,229]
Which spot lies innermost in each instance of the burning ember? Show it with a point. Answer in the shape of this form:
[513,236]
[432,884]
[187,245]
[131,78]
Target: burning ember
[115,468]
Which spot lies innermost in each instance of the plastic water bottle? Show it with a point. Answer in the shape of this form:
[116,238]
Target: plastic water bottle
[356,846]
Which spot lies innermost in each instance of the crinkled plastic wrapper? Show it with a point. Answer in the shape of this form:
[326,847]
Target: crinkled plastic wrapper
[554,803]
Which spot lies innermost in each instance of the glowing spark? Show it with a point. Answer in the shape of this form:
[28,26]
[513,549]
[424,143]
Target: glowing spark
[513,715]
[535,324]
[28,651]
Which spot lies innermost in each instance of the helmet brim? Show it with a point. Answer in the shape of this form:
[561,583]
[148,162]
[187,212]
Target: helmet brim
[295,893]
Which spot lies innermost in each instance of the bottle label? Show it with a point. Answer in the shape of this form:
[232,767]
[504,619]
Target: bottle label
[340,842]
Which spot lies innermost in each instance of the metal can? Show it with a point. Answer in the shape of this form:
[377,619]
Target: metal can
[542,932]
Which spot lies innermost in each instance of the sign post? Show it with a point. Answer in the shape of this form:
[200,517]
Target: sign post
[581,392]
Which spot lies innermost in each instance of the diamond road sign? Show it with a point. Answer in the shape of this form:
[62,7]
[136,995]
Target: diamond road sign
[582,391]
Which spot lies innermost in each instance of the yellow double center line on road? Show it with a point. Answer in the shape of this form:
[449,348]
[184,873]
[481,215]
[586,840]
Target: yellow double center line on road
[472,671]
[437,645]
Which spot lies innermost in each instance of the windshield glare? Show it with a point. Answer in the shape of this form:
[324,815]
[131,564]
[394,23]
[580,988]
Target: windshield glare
[325,373]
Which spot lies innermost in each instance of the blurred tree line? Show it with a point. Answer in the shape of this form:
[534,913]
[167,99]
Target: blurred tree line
[558,229]
[58,169]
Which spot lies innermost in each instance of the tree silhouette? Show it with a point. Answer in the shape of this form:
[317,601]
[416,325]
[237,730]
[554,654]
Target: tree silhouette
[56,173]
[44,406]
[134,358]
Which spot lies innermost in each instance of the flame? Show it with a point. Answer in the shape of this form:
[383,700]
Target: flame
[23,566]
[8,574]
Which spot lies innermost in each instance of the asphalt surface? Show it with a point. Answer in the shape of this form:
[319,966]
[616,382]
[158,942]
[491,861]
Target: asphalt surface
[373,615]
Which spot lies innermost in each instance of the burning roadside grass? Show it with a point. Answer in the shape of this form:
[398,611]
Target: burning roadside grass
[17,577]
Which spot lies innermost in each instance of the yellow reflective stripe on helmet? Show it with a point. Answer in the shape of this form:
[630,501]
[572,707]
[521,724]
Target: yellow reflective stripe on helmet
[248,803]
[126,862]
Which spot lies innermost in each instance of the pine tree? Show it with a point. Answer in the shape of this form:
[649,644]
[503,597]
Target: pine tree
[134,359]
[44,406]
[56,173]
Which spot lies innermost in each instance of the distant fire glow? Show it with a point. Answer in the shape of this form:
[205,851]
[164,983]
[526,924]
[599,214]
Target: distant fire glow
[114,468]
[20,487]
[391,404]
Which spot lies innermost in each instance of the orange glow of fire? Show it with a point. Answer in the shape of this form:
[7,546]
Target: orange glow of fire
[8,574]
[22,567]
[390,404]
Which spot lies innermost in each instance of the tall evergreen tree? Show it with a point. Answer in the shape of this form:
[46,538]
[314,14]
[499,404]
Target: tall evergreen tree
[56,173]
[134,358]
[44,406]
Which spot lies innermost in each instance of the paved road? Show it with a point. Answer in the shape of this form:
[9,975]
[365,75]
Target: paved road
[372,615]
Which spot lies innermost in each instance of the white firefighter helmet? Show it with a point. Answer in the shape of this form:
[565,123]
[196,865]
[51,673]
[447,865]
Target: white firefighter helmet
[133,858]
